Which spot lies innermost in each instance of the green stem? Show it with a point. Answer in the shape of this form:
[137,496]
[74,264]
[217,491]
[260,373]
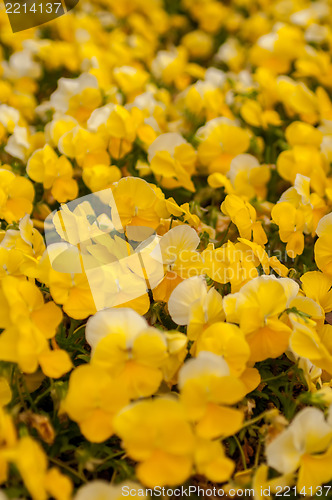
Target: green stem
[225,235]
[68,469]
[254,420]
[243,457]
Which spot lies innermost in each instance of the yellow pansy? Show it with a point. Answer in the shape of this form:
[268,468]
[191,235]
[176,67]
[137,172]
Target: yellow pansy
[73,292]
[243,215]
[318,287]
[193,304]
[304,156]
[245,178]
[104,397]
[100,177]
[163,446]
[323,246]
[305,446]
[178,251]
[125,346]
[55,173]
[211,461]
[221,140]
[228,341]
[172,160]
[257,314]
[138,202]
[207,389]
[16,196]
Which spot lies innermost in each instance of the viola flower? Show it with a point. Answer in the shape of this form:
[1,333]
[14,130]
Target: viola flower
[172,160]
[323,255]
[243,215]
[104,397]
[304,446]
[245,178]
[207,389]
[126,347]
[157,434]
[253,309]
[55,173]
[221,140]
[16,196]
[192,303]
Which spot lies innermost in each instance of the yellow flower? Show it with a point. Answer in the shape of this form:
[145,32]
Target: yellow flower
[253,113]
[178,251]
[207,389]
[73,292]
[130,80]
[172,160]
[211,461]
[81,105]
[323,246]
[138,203]
[192,304]
[245,178]
[198,43]
[100,177]
[298,99]
[124,345]
[177,351]
[55,173]
[221,140]
[297,212]
[318,286]
[256,308]
[304,156]
[16,196]
[164,444]
[84,146]
[103,397]
[243,215]
[31,462]
[304,445]
[21,250]
[228,341]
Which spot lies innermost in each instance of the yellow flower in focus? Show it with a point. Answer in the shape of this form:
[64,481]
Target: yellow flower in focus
[304,445]
[318,287]
[243,215]
[192,304]
[178,252]
[138,203]
[228,341]
[207,389]
[126,347]
[256,309]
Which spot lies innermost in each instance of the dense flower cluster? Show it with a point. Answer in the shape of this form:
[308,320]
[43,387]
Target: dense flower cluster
[210,123]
